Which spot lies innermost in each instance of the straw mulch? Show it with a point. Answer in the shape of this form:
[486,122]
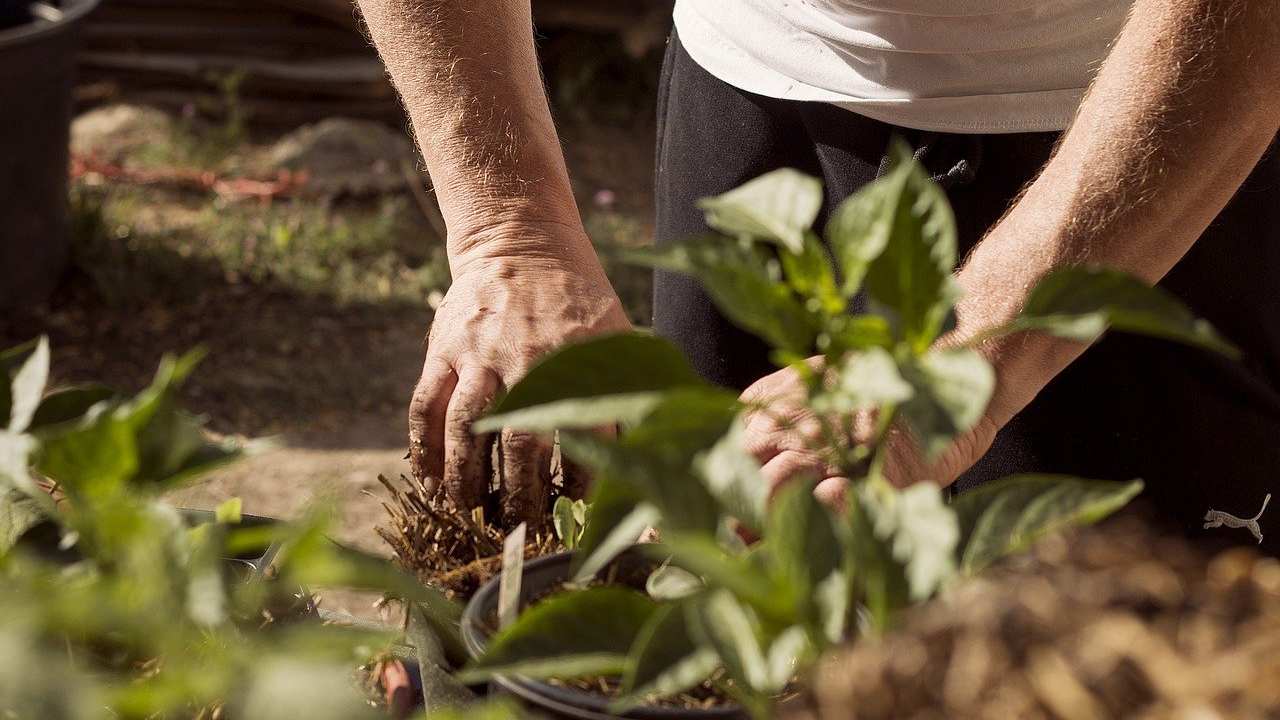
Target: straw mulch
[1117,621]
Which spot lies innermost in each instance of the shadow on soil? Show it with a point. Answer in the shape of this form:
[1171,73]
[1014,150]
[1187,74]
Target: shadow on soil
[279,361]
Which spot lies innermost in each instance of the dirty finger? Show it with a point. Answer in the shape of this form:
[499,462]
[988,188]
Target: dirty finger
[466,458]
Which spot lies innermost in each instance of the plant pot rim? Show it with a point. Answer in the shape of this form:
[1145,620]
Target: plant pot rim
[561,700]
[35,30]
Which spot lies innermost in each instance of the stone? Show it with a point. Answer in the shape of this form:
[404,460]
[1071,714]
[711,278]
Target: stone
[117,133]
[344,156]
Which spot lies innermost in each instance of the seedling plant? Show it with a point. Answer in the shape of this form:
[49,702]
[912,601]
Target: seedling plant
[752,617]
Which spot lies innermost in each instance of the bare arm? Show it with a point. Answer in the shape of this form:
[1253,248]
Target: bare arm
[525,276]
[468,75]
[1180,113]
[1178,116]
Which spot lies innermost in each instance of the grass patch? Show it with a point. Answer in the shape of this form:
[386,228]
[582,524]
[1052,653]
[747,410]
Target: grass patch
[135,244]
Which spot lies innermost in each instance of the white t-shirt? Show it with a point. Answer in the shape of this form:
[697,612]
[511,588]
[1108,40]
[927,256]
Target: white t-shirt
[977,66]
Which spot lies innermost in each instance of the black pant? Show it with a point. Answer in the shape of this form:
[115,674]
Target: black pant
[1201,429]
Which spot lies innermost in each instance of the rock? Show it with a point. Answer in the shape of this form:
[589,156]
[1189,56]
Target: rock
[344,156]
[116,133]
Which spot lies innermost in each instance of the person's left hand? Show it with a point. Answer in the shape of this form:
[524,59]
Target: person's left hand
[786,439]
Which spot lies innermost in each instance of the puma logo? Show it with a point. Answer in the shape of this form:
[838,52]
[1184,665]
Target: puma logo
[1217,518]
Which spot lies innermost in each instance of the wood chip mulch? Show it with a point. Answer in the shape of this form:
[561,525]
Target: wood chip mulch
[1117,621]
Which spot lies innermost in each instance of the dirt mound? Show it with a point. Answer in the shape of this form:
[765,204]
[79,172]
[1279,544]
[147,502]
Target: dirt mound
[345,156]
[116,133]
[1116,621]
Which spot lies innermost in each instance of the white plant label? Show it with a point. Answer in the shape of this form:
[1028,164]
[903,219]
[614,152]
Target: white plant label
[512,571]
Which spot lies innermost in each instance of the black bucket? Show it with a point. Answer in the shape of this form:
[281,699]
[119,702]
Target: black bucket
[38,44]
[550,700]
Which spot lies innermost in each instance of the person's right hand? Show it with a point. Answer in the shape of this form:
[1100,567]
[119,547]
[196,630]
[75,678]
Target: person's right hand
[520,292]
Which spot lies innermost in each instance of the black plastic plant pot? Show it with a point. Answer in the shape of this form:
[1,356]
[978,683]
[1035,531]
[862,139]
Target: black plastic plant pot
[38,43]
[540,577]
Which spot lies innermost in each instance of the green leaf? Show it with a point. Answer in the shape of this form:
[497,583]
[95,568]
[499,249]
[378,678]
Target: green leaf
[70,403]
[864,380]
[211,456]
[591,383]
[860,227]
[880,579]
[28,386]
[733,477]
[811,275]
[655,457]
[19,513]
[574,413]
[90,456]
[1012,513]
[294,688]
[922,530]
[850,333]
[664,660]
[1079,303]
[145,440]
[563,522]
[586,632]
[724,624]
[912,274]
[10,360]
[669,486]
[701,556]
[15,458]
[618,516]
[741,283]
[206,591]
[228,511]
[669,582]
[167,442]
[687,422]
[778,206]
[952,389]
[788,653]
[802,545]
[833,600]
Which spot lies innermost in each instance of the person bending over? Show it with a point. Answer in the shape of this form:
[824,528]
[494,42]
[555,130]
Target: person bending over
[1133,135]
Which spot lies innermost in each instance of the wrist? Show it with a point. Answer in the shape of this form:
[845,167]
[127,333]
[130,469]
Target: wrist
[521,237]
[995,285]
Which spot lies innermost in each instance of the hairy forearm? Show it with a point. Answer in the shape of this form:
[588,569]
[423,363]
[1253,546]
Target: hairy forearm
[469,78]
[1178,116]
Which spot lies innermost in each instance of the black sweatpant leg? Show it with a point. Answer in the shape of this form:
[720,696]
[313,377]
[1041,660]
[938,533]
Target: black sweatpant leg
[1202,430]
[712,138]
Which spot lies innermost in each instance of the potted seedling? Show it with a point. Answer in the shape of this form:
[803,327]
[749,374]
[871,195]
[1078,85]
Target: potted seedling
[750,618]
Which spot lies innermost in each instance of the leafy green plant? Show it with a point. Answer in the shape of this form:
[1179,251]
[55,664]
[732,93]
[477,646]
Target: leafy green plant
[569,519]
[753,617]
[114,604]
